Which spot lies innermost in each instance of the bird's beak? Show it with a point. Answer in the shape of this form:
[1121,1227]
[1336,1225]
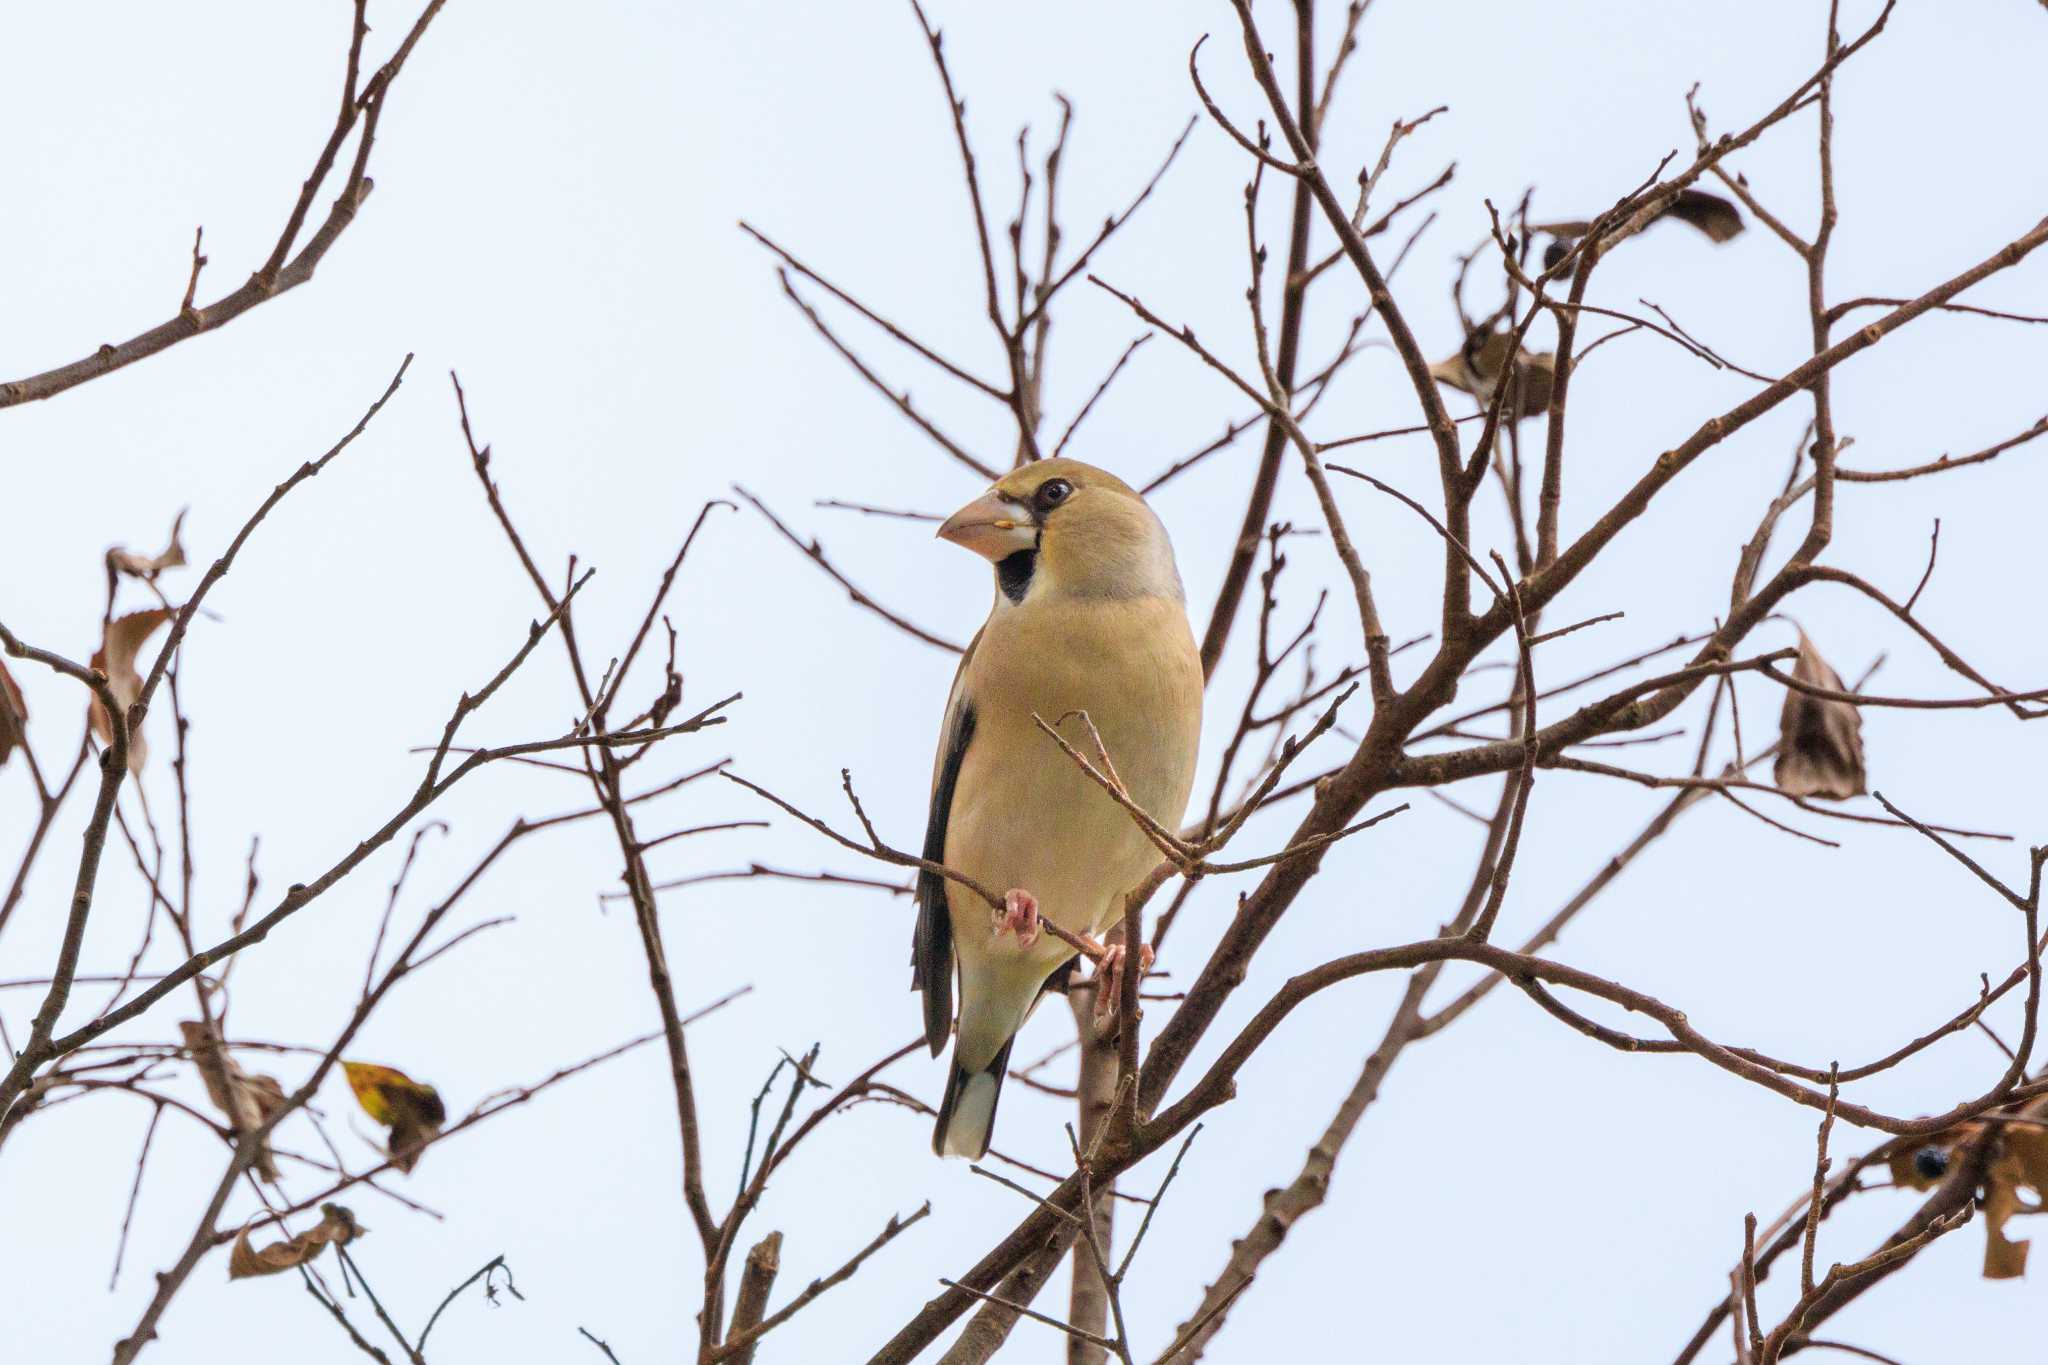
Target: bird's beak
[992,526]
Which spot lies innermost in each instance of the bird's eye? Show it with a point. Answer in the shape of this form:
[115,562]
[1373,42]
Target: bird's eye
[1052,493]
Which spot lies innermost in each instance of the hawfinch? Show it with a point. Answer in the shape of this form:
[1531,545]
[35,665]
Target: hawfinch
[1088,617]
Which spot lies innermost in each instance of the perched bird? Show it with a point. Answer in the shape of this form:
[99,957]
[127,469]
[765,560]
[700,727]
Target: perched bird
[1088,617]
[1476,369]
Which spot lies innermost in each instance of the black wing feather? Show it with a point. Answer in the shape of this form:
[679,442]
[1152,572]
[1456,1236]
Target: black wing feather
[931,947]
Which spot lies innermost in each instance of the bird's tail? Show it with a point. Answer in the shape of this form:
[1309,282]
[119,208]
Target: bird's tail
[967,1115]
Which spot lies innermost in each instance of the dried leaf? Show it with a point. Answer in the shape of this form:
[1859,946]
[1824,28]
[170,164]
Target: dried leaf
[412,1111]
[126,561]
[115,657]
[2022,1160]
[336,1225]
[1924,1167]
[2003,1259]
[249,1100]
[1820,740]
[1476,370]
[13,715]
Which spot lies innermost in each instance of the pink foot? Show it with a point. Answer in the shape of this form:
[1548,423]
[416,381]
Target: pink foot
[1109,977]
[1019,916]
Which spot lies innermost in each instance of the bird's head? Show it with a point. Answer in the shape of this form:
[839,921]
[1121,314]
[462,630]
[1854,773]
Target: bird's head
[1066,527]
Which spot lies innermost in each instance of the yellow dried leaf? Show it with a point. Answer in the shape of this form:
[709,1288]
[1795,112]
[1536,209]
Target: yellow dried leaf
[247,1099]
[126,561]
[125,636]
[336,1225]
[13,715]
[1820,740]
[411,1110]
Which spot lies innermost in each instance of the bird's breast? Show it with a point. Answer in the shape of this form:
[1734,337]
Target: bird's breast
[1024,813]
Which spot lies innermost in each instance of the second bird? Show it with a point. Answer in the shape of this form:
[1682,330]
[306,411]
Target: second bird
[1088,617]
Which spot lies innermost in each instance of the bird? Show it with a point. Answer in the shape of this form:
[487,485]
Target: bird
[1716,218]
[1089,627]
[1477,366]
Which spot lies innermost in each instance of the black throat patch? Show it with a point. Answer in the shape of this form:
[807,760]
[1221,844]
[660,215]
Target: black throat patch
[1013,573]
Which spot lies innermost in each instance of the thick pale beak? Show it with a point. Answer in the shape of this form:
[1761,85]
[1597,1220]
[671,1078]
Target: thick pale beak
[992,526]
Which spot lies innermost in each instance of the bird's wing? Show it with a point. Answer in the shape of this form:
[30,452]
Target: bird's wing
[931,945]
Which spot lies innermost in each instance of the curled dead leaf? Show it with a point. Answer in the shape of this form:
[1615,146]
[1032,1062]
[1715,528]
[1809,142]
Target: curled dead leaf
[1820,740]
[247,1099]
[1476,369]
[125,636]
[411,1110]
[13,715]
[1925,1166]
[2020,1160]
[336,1225]
[124,560]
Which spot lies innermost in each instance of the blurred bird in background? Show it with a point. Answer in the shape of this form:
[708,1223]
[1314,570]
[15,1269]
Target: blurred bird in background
[1088,617]
[1479,364]
[1711,215]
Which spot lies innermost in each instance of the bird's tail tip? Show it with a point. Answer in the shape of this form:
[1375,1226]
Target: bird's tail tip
[967,1115]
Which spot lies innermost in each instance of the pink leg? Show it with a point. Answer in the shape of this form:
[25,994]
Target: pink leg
[1019,916]
[1109,977]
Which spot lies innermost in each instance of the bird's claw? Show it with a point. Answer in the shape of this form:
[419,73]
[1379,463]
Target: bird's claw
[1109,977]
[1019,915]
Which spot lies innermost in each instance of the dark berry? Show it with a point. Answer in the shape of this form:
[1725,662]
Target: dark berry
[1931,1163]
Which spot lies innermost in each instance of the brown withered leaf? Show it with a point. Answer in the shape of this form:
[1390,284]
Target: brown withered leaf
[410,1109]
[336,1225]
[125,636]
[125,560]
[13,715]
[1476,370]
[1925,1166]
[1820,740]
[247,1099]
[2022,1160]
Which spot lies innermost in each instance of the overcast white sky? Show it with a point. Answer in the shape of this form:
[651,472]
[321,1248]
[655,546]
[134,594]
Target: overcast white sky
[557,192]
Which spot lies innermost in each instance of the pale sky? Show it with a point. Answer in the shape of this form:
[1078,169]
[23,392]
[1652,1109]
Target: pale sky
[555,218]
